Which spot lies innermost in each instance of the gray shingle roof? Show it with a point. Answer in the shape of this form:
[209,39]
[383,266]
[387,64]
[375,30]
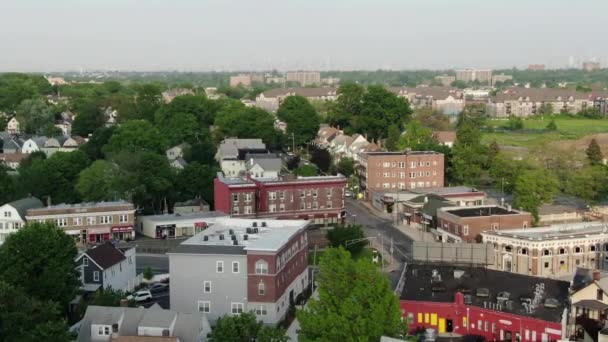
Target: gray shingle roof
[22,205]
[207,249]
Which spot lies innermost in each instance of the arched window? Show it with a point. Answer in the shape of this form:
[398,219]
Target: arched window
[508,249]
[578,250]
[546,252]
[261,267]
[562,251]
[592,248]
[523,251]
[261,288]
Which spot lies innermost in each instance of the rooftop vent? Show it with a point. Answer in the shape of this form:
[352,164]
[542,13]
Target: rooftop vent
[503,295]
[233,237]
[255,224]
[221,236]
[245,237]
[263,224]
[483,292]
[235,242]
[206,238]
[551,303]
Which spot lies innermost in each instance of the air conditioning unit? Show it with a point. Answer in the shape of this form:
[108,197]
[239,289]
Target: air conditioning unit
[166,333]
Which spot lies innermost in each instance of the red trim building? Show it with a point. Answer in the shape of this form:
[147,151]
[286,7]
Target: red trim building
[318,199]
[500,306]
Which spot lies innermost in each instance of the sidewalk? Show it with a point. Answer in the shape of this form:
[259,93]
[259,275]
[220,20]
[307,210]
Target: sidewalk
[414,233]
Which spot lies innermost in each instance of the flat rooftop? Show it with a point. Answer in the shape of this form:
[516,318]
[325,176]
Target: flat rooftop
[555,232]
[409,153]
[439,283]
[237,236]
[281,179]
[84,205]
[184,217]
[481,211]
[448,190]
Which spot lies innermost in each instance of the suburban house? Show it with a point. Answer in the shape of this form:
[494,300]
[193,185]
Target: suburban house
[90,222]
[178,163]
[553,251]
[241,265]
[106,266]
[232,151]
[13,126]
[33,144]
[64,123]
[448,100]
[494,305]
[263,165]
[51,145]
[11,144]
[170,94]
[469,222]
[589,305]
[325,135]
[319,198]
[176,151]
[12,215]
[12,160]
[271,100]
[154,324]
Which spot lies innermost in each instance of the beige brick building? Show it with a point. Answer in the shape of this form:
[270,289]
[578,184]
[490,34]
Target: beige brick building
[384,171]
[304,78]
[89,222]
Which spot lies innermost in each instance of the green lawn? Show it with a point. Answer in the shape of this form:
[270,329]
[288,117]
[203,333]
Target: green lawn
[367,253]
[567,129]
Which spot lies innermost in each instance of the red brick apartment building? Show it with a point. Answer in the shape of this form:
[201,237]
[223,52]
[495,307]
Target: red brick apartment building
[319,199]
[384,171]
[468,222]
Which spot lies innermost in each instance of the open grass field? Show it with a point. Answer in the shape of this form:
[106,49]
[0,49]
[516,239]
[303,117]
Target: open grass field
[534,133]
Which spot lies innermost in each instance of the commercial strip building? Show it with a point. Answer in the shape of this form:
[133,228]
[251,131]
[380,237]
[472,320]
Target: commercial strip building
[89,222]
[176,225]
[398,171]
[477,301]
[467,223]
[319,198]
[241,265]
[553,251]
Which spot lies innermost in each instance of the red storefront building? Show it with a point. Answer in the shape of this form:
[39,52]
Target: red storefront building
[318,199]
[90,222]
[499,306]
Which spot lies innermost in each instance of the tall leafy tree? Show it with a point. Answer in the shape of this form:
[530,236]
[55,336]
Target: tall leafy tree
[301,117]
[346,166]
[94,147]
[347,106]
[96,182]
[136,136]
[39,259]
[34,115]
[533,188]
[341,235]
[594,153]
[432,118]
[89,117]
[588,184]
[245,327]
[504,170]
[8,186]
[469,155]
[392,140]
[196,180]
[178,127]
[380,109]
[198,105]
[307,171]
[202,150]
[355,299]
[416,137]
[236,120]
[321,158]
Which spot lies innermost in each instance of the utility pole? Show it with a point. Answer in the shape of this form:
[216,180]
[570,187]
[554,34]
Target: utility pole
[293,140]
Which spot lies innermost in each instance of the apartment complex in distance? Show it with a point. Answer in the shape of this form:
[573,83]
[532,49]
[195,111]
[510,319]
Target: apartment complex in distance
[240,80]
[536,67]
[591,66]
[448,100]
[472,75]
[445,80]
[319,199]
[240,265]
[271,100]
[384,171]
[553,251]
[89,222]
[304,78]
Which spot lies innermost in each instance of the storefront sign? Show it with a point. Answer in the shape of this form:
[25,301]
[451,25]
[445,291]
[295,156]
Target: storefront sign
[104,230]
[200,224]
[121,229]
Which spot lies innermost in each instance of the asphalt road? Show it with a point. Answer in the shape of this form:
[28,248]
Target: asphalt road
[159,263]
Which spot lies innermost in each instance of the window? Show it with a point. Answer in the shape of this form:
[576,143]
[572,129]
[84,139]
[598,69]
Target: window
[329,204]
[282,207]
[261,289]
[104,330]
[393,164]
[237,308]
[412,174]
[600,294]
[302,193]
[428,163]
[261,310]
[247,197]
[329,192]
[401,165]
[465,230]
[281,194]
[315,205]
[219,266]
[261,267]
[62,222]
[302,205]
[386,175]
[7,214]
[235,267]
[91,220]
[272,195]
[315,193]
[420,163]
[85,261]
[96,276]
[204,307]
[105,219]
[77,221]
[123,218]
[308,205]
[546,264]
[386,185]
[412,165]
[386,164]
[401,175]
[272,208]
[207,286]
[248,209]
[235,197]
[235,210]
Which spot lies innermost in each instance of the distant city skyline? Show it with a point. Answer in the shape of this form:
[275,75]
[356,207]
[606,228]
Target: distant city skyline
[230,35]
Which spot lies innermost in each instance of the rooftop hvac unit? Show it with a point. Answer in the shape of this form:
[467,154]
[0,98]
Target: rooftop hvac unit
[509,305]
[231,231]
[245,237]
[255,224]
[263,224]
[468,299]
[249,230]
[255,231]
[206,238]
[551,303]
[503,295]
[235,242]
[233,237]
[221,236]
[483,292]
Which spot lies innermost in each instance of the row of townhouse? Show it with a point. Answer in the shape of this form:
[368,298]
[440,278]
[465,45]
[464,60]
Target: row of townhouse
[15,148]
[523,102]
[448,100]
[86,222]
[340,145]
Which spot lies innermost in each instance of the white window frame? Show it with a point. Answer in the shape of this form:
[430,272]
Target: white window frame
[96,276]
[91,220]
[272,195]
[123,218]
[77,221]
[261,289]
[219,266]
[238,268]
[205,305]
[261,310]
[261,267]
[237,308]
[207,284]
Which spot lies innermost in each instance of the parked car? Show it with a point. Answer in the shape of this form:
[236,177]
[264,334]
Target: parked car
[158,288]
[348,193]
[140,296]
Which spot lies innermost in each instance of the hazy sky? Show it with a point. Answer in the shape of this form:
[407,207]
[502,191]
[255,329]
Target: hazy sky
[49,35]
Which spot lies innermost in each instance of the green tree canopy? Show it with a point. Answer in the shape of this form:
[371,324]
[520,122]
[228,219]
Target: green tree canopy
[245,327]
[178,127]
[40,259]
[348,104]
[515,123]
[594,153]
[34,116]
[392,140]
[469,156]
[8,186]
[94,147]
[307,171]
[380,109]
[96,183]
[135,137]
[89,117]
[321,158]
[236,120]
[355,299]
[346,166]
[552,126]
[196,180]
[416,137]
[301,117]
[204,110]
[588,184]
[533,188]
[504,170]
[340,235]
[432,118]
